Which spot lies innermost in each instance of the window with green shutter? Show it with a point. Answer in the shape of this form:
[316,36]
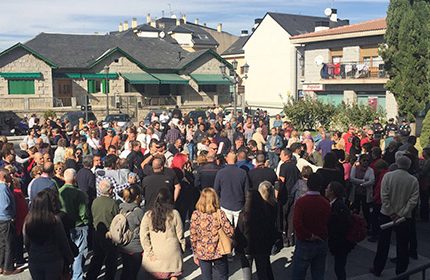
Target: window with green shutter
[21,86]
[94,86]
[105,86]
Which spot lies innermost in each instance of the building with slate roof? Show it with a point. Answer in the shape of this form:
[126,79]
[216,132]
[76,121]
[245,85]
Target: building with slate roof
[273,58]
[64,70]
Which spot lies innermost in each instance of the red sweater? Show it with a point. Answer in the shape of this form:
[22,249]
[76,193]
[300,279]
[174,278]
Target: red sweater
[311,215]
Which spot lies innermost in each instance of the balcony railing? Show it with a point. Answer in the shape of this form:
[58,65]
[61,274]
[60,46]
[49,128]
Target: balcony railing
[352,70]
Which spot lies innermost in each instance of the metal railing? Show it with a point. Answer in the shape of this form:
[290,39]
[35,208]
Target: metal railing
[353,70]
[421,269]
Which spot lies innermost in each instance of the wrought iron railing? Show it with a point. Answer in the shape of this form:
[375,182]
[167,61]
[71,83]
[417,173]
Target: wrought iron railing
[352,70]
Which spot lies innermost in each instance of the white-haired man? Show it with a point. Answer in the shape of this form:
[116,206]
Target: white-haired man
[75,203]
[103,210]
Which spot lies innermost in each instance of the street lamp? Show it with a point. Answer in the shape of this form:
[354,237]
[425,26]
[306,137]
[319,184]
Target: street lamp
[106,87]
[235,79]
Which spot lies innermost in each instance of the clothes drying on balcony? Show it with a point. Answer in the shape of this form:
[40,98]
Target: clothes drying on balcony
[344,71]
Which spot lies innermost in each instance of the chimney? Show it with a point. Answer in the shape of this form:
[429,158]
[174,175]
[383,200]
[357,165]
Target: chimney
[184,18]
[321,25]
[148,18]
[219,27]
[178,21]
[134,23]
[243,33]
[153,23]
[204,24]
[196,21]
[257,22]
[120,29]
[333,16]
[125,25]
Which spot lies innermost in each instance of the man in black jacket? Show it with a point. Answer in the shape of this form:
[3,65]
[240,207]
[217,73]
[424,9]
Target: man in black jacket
[135,159]
[86,180]
[205,175]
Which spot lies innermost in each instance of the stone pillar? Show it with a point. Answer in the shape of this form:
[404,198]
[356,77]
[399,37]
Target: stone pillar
[349,97]
[216,99]
[179,100]
[74,102]
[26,104]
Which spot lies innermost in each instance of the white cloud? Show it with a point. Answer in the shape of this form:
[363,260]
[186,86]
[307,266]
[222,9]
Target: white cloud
[27,18]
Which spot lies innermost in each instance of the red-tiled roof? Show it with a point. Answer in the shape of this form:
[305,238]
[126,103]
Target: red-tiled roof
[371,25]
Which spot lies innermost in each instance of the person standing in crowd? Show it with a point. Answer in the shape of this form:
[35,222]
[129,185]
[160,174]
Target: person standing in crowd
[362,180]
[131,253]
[338,226]
[288,176]
[261,173]
[206,173]
[86,180]
[75,203]
[273,146]
[325,145]
[377,128]
[135,159]
[311,217]
[103,211]
[399,195]
[256,231]
[45,181]
[7,225]
[162,238]
[330,171]
[424,180]
[206,221]
[49,253]
[231,184]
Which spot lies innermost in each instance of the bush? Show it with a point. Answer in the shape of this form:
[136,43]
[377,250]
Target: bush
[308,114]
[49,115]
[425,131]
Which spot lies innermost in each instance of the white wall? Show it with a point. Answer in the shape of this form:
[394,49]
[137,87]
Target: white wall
[183,38]
[148,34]
[271,58]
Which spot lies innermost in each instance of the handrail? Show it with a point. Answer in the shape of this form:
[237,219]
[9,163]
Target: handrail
[416,270]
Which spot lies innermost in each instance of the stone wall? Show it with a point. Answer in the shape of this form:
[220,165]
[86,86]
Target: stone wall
[312,69]
[20,60]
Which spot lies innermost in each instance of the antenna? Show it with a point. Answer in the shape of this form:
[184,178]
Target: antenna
[170,9]
[162,13]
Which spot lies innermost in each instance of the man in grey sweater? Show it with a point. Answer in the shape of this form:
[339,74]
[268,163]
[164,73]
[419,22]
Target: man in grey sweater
[399,195]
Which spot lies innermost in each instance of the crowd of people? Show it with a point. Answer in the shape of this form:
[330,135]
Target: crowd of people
[102,193]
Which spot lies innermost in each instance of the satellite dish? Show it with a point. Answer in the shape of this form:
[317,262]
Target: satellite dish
[319,60]
[173,16]
[162,34]
[328,12]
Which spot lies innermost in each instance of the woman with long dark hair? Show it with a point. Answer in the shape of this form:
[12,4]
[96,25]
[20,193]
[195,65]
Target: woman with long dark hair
[162,238]
[46,241]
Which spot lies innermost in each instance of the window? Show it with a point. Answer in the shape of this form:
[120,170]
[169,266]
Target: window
[334,98]
[94,86]
[21,86]
[369,55]
[336,55]
[207,88]
[105,86]
[377,100]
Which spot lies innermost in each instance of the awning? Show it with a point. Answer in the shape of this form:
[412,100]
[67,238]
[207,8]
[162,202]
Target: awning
[88,76]
[210,79]
[140,78]
[170,79]
[21,75]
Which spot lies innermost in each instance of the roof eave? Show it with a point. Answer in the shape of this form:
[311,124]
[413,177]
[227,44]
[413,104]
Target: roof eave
[337,36]
[33,52]
[117,49]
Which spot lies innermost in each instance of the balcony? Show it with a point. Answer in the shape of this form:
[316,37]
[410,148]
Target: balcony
[353,73]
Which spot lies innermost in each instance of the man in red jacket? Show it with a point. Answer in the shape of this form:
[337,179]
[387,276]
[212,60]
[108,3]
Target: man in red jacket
[311,216]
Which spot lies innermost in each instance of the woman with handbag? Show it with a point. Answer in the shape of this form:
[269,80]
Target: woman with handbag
[49,251]
[210,235]
[162,238]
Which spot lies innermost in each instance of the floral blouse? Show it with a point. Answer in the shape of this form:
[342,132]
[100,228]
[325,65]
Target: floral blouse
[204,234]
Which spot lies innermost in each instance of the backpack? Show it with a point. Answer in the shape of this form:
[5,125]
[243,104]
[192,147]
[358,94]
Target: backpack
[357,231]
[119,230]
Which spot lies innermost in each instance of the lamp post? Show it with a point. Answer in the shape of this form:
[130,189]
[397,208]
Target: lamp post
[106,88]
[235,79]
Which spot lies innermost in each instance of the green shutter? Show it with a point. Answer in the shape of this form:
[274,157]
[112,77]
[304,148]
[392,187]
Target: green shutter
[105,86]
[91,86]
[21,86]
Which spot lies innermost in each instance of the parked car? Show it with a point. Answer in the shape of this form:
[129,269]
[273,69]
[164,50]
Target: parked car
[74,117]
[147,120]
[12,124]
[123,120]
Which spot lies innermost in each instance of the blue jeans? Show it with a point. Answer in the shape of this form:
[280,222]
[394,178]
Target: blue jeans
[191,150]
[220,265]
[273,159]
[309,253]
[79,236]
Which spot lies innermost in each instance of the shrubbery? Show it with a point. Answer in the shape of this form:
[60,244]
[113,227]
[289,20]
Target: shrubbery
[425,131]
[308,114]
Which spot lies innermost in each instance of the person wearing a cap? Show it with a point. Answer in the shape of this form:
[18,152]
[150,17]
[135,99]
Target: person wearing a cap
[405,128]
[377,128]
[399,196]
[390,126]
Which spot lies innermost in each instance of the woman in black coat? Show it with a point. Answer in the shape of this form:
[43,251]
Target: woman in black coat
[256,232]
[339,223]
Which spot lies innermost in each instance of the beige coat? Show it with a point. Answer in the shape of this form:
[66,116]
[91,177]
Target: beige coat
[162,251]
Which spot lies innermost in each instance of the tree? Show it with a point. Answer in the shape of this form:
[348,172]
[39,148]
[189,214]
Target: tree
[406,54]
[425,131]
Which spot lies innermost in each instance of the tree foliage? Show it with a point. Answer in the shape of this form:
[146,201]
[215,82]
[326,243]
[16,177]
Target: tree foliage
[406,54]
[425,131]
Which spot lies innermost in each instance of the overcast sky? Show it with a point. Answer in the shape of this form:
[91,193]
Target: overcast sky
[23,19]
